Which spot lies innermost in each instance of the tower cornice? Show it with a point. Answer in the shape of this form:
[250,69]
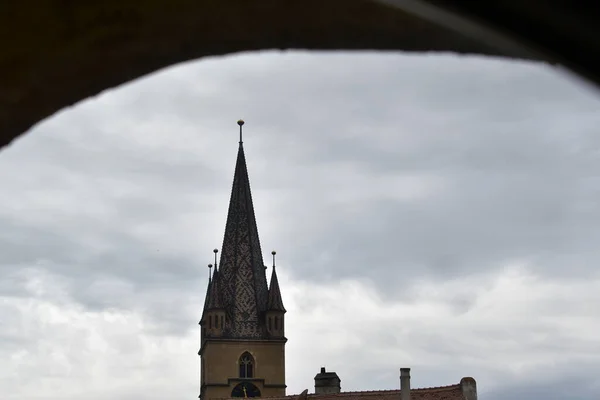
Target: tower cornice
[279,340]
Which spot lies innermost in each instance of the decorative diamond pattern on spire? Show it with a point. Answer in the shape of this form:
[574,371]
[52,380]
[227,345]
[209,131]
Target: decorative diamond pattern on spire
[242,278]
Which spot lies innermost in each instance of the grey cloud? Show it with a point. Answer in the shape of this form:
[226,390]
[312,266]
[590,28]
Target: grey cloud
[125,195]
[570,386]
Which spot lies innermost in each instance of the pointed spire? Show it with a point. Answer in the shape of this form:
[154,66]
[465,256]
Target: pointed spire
[213,293]
[214,296]
[242,277]
[275,302]
[206,301]
[215,275]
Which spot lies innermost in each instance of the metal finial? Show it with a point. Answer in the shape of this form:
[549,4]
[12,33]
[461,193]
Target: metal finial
[215,251]
[273,253]
[240,123]
[209,272]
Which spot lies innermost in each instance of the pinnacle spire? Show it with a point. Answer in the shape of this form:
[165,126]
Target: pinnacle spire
[208,288]
[275,302]
[214,295]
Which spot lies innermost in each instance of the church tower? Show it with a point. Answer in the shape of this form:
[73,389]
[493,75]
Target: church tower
[242,342]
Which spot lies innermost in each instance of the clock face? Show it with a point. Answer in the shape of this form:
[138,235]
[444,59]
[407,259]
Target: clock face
[245,389]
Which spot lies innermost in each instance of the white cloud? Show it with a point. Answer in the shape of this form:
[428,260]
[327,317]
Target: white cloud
[512,324]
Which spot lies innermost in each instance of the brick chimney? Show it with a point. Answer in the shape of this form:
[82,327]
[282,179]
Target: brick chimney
[404,383]
[327,382]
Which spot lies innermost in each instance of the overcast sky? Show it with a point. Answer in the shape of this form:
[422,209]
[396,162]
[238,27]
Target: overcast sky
[433,212]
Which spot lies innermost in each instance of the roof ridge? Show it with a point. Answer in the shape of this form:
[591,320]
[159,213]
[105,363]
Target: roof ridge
[453,386]
[429,388]
[367,392]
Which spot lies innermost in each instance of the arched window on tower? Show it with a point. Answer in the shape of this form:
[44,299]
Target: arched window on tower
[246,365]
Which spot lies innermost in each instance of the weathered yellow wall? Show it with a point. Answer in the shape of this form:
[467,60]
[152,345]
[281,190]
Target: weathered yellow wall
[221,362]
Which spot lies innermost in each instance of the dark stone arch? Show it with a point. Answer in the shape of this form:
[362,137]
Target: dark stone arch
[58,52]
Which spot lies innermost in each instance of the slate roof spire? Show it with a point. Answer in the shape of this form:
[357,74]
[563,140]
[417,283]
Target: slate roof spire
[214,295]
[242,279]
[275,302]
[207,290]
[213,292]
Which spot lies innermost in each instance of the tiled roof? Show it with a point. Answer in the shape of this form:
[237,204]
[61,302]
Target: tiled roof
[214,297]
[242,277]
[452,392]
[206,298]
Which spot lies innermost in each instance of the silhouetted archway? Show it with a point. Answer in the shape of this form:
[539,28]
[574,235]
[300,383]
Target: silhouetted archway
[61,52]
[245,389]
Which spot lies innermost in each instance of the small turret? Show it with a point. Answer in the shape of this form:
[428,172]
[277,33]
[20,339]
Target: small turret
[204,312]
[214,312]
[275,309]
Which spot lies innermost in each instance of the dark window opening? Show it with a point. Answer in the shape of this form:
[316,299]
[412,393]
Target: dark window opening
[246,366]
[276,323]
[210,322]
[270,320]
